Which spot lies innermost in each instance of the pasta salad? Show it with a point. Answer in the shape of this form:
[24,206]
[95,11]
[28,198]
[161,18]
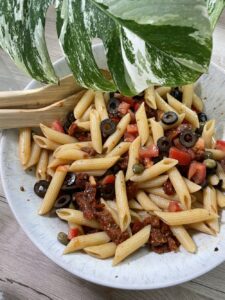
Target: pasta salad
[127,172]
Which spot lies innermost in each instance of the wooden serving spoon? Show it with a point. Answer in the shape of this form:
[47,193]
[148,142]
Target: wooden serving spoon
[19,118]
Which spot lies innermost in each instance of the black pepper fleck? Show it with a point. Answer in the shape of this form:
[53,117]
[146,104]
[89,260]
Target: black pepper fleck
[22,189]
[116,276]
[216,249]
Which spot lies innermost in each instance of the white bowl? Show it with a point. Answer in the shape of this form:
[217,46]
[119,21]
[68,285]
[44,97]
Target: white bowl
[143,270]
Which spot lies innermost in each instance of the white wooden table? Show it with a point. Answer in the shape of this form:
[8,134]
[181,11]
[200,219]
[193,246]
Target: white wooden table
[25,273]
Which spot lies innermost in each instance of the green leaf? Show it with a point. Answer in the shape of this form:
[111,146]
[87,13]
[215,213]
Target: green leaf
[215,8]
[22,36]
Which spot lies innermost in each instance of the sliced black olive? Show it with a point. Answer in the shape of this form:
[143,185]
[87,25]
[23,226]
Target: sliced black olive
[69,182]
[176,94]
[108,127]
[40,188]
[107,191]
[69,120]
[188,138]
[199,130]
[169,118]
[202,117]
[138,168]
[63,201]
[164,145]
[112,105]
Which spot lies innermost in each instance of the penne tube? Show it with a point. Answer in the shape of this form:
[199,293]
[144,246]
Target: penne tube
[192,187]
[50,171]
[133,157]
[157,130]
[45,143]
[34,156]
[78,227]
[133,204]
[77,217]
[55,162]
[83,104]
[134,217]
[146,202]
[41,169]
[184,238]
[86,115]
[78,146]
[121,201]
[100,105]
[150,97]
[190,115]
[92,180]
[112,211]
[93,164]
[176,124]
[159,191]
[95,127]
[210,203]
[221,174]
[112,204]
[197,103]
[97,173]
[119,150]
[202,227]
[160,201]
[162,104]
[84,125]
[157,169]
[71,154]
[180,187]
[150,141]
[142,123]
[163,90]
[53,190]
[220,197]
[132,244]
[186,217]
[156,182]
[217,154]
[106,97]
[56,136]
[208,133]
[101,251]
[88,240]
[187,95]
[113,139]
[24,145]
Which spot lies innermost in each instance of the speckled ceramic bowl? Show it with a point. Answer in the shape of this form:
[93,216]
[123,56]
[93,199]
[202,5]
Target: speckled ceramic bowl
[143,270]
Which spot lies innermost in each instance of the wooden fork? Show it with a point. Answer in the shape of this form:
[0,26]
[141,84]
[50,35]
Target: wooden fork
[19,118]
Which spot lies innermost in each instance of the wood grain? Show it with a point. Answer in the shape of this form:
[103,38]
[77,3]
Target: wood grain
[26,274]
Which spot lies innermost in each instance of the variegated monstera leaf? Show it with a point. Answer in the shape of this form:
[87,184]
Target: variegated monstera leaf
[166,42]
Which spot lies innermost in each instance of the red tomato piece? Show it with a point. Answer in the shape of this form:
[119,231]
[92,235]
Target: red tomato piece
[220,145]
[128,137]
[148,152]
[136,106]
[132,128]
[197,172]
[73,232]
[174,206]
[147,162]
[57,125]
[128,100]
[123,108]
[108,179]
[184,158]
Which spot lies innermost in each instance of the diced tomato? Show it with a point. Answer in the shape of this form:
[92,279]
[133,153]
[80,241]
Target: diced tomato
[115,119]
[123,108]
[109,179]
[148,152]
[128,137]
[220,145]
[73,232]
[132,128]
[128,100]
[197,172]
[57,125]
[181,147]
[183,157]
[147,162]
[174,206]
[136,106]
[72,129]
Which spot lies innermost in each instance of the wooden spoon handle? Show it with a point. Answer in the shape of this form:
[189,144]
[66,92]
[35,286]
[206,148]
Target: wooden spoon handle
[40,97]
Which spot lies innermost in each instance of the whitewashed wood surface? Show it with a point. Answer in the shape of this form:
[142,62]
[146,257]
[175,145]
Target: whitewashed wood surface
[25,273]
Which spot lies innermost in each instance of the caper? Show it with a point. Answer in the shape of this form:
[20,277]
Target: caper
[62,238]
[208,154]
[138,168]
[210,163]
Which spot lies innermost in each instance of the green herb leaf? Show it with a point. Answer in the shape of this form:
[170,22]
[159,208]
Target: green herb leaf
[215,8]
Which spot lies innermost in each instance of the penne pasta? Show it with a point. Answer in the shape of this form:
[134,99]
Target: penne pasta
[160,201]
[78,146]
[113,139]
[163,90]
[101,251]
[106,97]
[88,240]
[71,154]
[24,145]
[119,150]
[45,143]
[197,103]
[220,197]
[155,170]
[55,162]
[150,141]
[150,97]
[83,104]
[142,124]
[184,238]
[208,133]
[176,124]
[156,182]
[100,105]
[210,203]
[157,130]
[112,211]
[56,136]
[133,204]
[146,202]
[78,227]
[77,217]
[50,171]
[41,169]
[132,244]
[162,104]
[122,202]
[34,156]
[84,125]
[217,154]
[202,227]
[86,115]
[187,95]
[221,174]
[192,187]
[159,191]
[53,190]
[133,157]
[186,217]
[134,217]
[93,164]
[95,126]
